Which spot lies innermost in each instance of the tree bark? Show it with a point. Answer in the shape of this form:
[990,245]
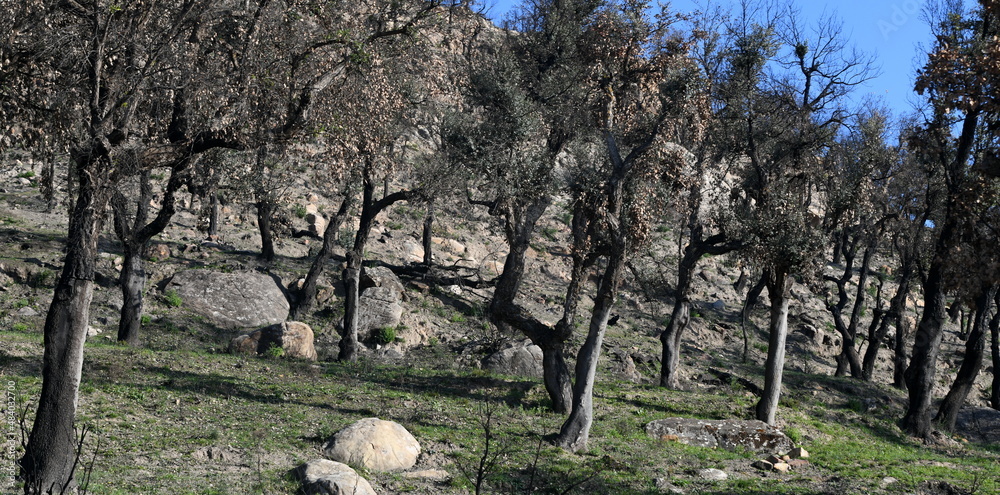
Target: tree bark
[923,365]
[306,296]
[265,209]
[995,351]
[897,306]
[975,347]
[213,214]
[48,462]
[777,290]
[427,235]
[575,431]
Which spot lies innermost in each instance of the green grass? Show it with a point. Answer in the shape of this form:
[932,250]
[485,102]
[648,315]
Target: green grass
[172,299]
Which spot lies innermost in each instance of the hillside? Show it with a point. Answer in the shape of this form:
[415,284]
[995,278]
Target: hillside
[180,415]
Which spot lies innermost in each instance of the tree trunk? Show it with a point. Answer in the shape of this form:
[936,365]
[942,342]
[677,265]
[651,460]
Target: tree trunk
[133,284]
[975,347]
[748,305]
[670,339]
[352,284]
[923,365]
[265,208]
[777,290]
[213,214]
[355,257]
[427,235]
[995,351]
[306,296]
[48,462]
[897,307]
[901,353]
[575,431]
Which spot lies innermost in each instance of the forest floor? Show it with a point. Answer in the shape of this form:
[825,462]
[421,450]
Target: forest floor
[180,415]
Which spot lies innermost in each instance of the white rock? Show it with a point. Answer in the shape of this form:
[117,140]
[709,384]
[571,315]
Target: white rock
[374,444]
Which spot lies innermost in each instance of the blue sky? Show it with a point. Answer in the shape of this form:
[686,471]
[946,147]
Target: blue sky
[892,30]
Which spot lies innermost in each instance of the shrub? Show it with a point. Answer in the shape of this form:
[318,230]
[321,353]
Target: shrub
[20,327]
[172,298]
[275,351]
[300,211]
[384,335]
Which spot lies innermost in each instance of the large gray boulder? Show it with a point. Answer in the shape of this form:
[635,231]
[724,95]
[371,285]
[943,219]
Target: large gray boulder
[520,359]
[326,477]
[381,302]
[231,300]
[294,338]
[374,444]
[727,434]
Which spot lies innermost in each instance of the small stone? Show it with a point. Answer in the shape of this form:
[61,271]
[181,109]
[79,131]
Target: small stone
[798,453]
[888,480]
[774,459]
[781,467]
[712,474]
[93,331]
[797,463]
[26,311]
[762,465]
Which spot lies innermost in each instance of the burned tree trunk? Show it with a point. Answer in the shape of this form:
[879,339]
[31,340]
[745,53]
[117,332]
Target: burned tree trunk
[975,347]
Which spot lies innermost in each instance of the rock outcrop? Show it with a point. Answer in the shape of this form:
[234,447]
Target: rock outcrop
[732,435]
[231,300]
[326,477]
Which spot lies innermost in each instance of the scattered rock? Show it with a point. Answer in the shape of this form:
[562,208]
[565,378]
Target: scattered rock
[294,337]
[159,251]
[781,467]
[712,474]
[797,463]
[731,435]
[93,331]
[888,480]
[519,359]
[762,465]
[326,477]
[939,488]
[231,300]
[798,453]
[437,475]
[317,224]
[374,444]
[665,486]
[26,311]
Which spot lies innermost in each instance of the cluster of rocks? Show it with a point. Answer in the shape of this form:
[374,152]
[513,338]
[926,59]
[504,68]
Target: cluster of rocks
[782,463]
[371,444]
[733,435]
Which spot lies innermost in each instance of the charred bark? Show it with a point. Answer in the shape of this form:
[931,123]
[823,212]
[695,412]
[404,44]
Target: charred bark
[975,347]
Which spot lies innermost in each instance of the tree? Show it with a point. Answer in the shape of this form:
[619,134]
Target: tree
[646,87]
[529,102]
[956,81]
[782,127]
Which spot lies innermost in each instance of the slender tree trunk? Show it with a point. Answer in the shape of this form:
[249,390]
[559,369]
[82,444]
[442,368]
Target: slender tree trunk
[901,353]
[265,209]
[427,235]
[48,462]
[777,290]
[975,347]
[748,305]
[133,284]
[877,330]
[213,214]
[575,431]
[995,351]
[306,296]
[670,339]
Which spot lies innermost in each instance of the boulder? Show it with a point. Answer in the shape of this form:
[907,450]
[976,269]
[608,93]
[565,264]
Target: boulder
[231,300]
[711,474]
[374,444]
[294,337]
[380,304]
[326,477]
[519,359]
[731,435]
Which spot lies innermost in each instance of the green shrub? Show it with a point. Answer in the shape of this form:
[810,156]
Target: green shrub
[172,298]
[300,211]
[26,175]
[145,320]
[275,351]
[384,335]
[20,327]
